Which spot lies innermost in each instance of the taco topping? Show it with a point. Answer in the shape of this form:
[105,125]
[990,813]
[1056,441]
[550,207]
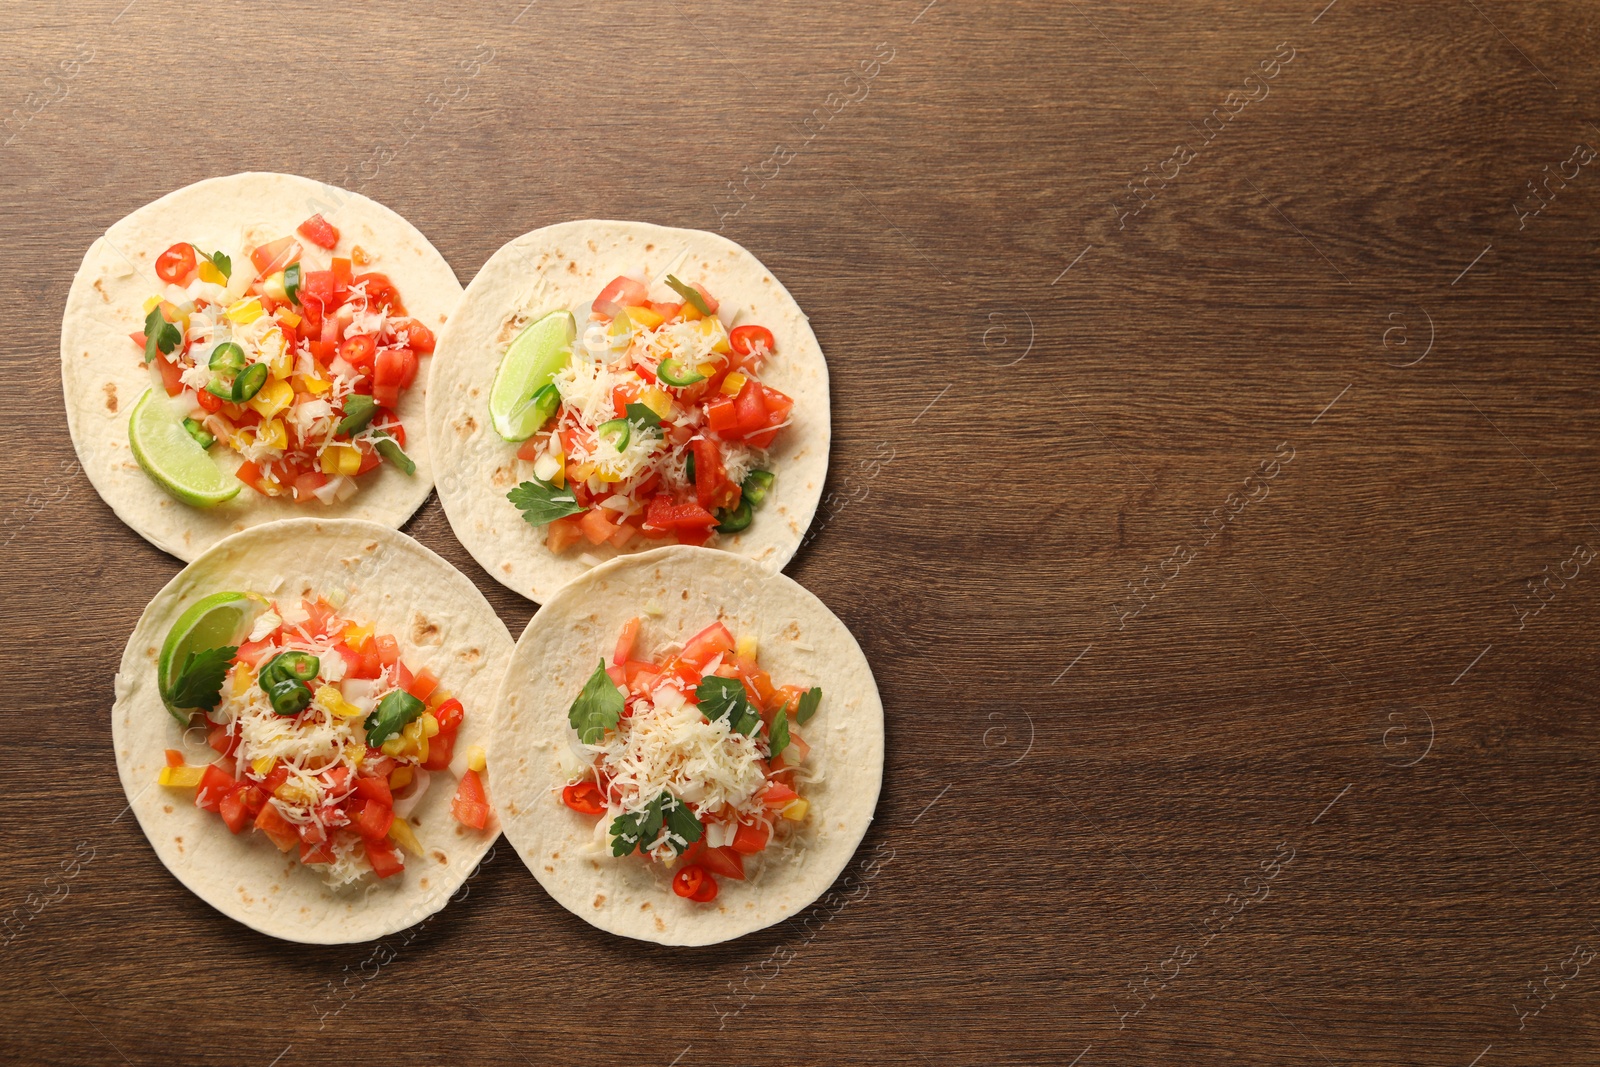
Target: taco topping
[326,739]
[297,368]
[653,424]
[692,756]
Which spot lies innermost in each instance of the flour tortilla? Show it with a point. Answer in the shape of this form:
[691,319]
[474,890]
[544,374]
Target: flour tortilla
[103,375]
[679,591]
[565,266]
[441,621]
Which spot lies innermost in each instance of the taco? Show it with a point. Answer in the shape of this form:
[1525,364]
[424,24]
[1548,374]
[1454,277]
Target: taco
[610,387]
[300,724]
[252,348]
[687,748]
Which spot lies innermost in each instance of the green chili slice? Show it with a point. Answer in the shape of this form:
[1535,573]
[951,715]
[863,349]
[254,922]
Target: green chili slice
[358,412]
[249,382]
[390,450]
[619,428]
[291,281]
[688,468]
[301,666]
[545,402]
[227,358]
[756,486]
[737,519]
[671,371]
[199,433]
[689,293]
[394,713]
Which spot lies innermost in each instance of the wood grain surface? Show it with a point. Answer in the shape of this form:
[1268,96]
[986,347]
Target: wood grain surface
[1214,492]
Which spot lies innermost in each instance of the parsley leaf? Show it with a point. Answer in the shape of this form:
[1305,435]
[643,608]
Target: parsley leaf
[643,417]
[778,735]
[808,704]
[639,830]
[199,682]
[541,502]
[689,294]
[724,698]
[597,708]
[159,335]
[220,261]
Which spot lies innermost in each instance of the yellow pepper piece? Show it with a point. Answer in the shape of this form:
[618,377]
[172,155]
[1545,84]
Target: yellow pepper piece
[707,369]
[584,472]
[476,760]
[357,636]
[341,459]
[430,725]
[656,400]
[287,317]
[400,777]
[243,679]
[151,304]
[274,397]
[245,311]
[262,765]
[690,312]
[184,777]
[330,697]
[402,834]
[437,697]
[395,746]
[417,738]
[314,386]
[272,434]
[273,287]
[357,752]
[294,792]
[644,317]
[712,327]
[795,810]
[746,646]
[733,383]
[209,273]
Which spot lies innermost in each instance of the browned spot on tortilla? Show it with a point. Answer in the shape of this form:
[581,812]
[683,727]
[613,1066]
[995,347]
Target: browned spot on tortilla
[572,268]
[470,655]
[370,546]
[467,427]
[506,567]
[599,899]
[151,651]
[555,855]
[474,393]
[791,631]
[440,856]
[442,320]
[423,631]
[424,883]
[686,594]
[592,247]
[167,808]
[503,478]
[645,906]
[659,924]
[549,868]
[100,287]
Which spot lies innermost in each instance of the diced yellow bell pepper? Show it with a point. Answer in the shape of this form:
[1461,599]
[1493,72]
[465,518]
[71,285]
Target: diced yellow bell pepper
[690,312]
[262,765]
[656,400]
[401,833]
[273,287]
[245,311]
[272,434]
[293,792]
[644,317]
[314,386]
[209,273]
[430,725]
[395,746]
[584,472]
[243,679]
[712,327]
[400,777]
[733,383]
[476,760]
[184,777]
[357,752]
[795,810]
[274,397]
[287,317]
[620,327]
[330,697]
[151,304]
[746,646]
[707,369]
[437,697]
[357,636]
[341,459]
[277,354]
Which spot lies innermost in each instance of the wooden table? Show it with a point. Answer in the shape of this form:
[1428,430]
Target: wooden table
[1213,491]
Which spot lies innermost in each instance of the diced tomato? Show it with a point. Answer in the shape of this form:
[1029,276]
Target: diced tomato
[311,833]
[663,514]
[281,832]
[688,880]
[319,231]
[722,414]
[531,448]
[667,311]
[215,784]
[232,809]
[748,340]
[318,287]
[307,484]
[218,737]
[584,797]
[274,255]
[712,487]
[358,351]
[414,335]
[176,265]
[597,525]
[380,291]
[564,533]
[336,782]
[619,293]
[630,633]
[402,675]
[441,750]
[383,857]
[778,407]
[174,757]
[751,408]
[316,852]
[389,423]
[423,683]
[470,805]
[388,649]
[394,369]
[706,645]
[341,277]
[751,837]
[795,754]
[318,613]
[172,376]
[376,763]
[622,396]
[757,679]
[372,820]
[274,780]
[724,862]
[370,460]
[376,788]
[778,795]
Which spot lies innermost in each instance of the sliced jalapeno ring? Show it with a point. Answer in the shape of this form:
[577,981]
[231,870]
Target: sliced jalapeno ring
[756,485]
[672,372]
[619,428]
[249,382]
[227,357]
[737,519]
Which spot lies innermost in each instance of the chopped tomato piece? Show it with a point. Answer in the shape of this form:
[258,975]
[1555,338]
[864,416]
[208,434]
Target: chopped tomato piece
[388,649]
[584,797]
[376,788]
[722,414]
[232,809]
[563,534]
[663,514]
[319,231]
[619,293]
[630,633]
[316,852]
[380,291]
[176,265]
[596,526]
[471,805]
[414,335]
[383,858]
[372,820]
[778,795]
[751,407]
[276,778]
[724,862]
[215,784]
[706,645]
[274,255]
[712,487]
[751,837]
[441,750]
[423,683]
[280,830]
[688,880]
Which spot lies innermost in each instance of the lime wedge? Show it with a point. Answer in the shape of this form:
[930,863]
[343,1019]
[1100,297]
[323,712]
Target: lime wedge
[536,354]
[217,620]
[172,458]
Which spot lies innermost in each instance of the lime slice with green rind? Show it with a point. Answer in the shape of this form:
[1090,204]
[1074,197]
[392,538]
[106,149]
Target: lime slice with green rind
[212,622]
[535,356]
[173,458]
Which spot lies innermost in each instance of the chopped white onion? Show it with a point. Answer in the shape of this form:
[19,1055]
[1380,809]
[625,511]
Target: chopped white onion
[403,806]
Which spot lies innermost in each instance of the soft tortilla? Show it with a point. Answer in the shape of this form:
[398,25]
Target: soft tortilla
[678,591]
[441,621]
[565,266]
[103,375]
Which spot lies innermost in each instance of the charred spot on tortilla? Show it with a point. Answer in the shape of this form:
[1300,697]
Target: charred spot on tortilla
[111,397]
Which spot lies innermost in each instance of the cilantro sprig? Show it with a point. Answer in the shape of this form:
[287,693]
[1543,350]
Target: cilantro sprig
[724,698]
[199,681]
[159,335]
[597,708]
[778,734]
[637,831]
[541,502]
[808,704]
